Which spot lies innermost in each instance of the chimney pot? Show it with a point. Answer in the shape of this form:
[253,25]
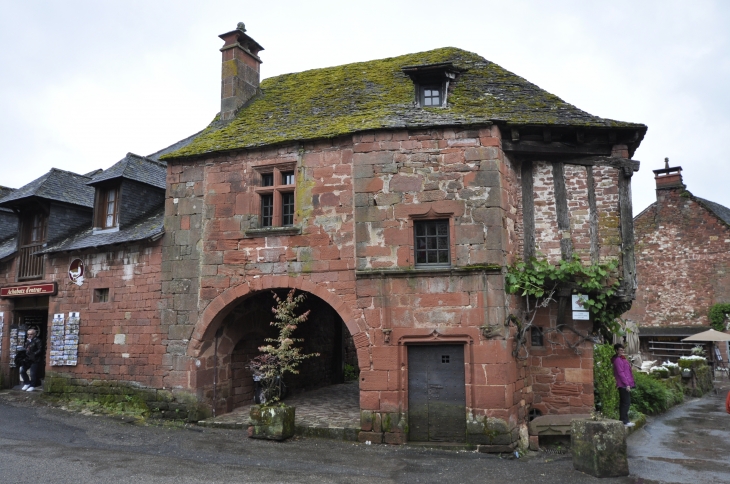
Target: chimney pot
[239,72]
[669,177]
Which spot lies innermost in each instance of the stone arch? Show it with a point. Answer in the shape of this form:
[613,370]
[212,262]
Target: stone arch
[223,304]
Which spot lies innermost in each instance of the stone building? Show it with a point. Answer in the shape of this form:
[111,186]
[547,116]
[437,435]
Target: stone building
[682,265]
[393,193]
[85,271]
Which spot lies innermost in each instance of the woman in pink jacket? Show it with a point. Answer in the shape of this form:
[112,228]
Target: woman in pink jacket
[624,383]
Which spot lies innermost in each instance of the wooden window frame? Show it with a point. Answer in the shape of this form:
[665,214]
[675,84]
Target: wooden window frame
[278,190]
[32,222]
[431,87]
[102,207]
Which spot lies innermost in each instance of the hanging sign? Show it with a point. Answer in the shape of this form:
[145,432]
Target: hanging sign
[580,312]
[76,271]
[45,289]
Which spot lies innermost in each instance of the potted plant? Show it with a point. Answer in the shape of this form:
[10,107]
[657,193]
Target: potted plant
[272,419]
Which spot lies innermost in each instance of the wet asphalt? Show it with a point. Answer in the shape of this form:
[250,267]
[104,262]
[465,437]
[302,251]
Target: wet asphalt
[40,444]
[688,444]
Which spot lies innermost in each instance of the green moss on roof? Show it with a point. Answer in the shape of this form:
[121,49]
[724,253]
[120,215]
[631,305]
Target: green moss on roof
[324,103]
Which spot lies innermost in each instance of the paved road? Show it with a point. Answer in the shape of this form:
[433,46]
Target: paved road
[40,444]
[688,444]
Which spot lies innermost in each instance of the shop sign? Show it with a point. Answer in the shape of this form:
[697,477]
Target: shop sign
[44,289]
[76,271]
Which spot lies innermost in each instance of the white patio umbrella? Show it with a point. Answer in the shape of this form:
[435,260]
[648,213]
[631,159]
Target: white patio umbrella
[709,335]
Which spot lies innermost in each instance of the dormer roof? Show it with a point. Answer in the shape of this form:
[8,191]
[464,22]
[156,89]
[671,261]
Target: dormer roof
[134,167]
[56,185]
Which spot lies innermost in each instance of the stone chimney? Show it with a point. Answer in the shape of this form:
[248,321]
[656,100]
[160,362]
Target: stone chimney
[668,178]
[240,72]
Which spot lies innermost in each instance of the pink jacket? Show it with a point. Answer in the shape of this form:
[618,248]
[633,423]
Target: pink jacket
[622,372]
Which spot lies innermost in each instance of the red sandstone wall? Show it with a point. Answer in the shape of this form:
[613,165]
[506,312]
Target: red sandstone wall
[562,370]
[683,262]
[132,275]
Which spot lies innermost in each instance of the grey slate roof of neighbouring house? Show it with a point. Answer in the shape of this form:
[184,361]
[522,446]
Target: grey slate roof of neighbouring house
[377,94]
[8,247]
[722,212]
[137,168]
[8,219]
[149,227]
[58,185]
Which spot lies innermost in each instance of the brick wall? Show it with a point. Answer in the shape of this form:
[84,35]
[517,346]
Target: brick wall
[562,369]
[120,339]
[683,261]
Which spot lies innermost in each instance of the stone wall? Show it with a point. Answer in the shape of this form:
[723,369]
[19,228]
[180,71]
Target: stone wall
[683,261]
[562,369]
[120,339]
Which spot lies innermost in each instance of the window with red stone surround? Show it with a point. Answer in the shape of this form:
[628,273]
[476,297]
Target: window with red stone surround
[275,192]
[432,245]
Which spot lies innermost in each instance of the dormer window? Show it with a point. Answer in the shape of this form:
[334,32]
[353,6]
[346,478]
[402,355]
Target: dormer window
[431,82]
[107,207]
[431,96]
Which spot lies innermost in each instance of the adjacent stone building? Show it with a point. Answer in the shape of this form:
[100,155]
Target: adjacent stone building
[682,265]
[394,193]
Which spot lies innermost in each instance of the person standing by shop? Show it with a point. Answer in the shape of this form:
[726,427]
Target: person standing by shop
[624,383]
[33,359]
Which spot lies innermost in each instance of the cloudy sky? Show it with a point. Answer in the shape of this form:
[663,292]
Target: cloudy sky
[84,82]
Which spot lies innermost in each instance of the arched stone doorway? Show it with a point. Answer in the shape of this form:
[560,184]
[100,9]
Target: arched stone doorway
[233,339]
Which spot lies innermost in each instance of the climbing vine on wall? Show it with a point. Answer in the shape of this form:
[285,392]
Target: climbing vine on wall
[604,382]
[717,316]
[537,281]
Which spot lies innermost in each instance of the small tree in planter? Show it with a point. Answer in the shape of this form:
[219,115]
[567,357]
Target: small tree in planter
[274,420]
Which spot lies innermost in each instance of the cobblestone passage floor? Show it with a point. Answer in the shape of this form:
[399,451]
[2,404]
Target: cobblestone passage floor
[333,407]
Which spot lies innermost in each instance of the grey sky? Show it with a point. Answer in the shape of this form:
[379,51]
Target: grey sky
[85,82]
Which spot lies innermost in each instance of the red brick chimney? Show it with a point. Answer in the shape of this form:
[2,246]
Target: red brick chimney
[240,72]
[668,178]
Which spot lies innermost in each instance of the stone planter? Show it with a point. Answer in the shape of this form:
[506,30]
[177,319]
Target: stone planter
[271,422]
[599,447]
[686,373]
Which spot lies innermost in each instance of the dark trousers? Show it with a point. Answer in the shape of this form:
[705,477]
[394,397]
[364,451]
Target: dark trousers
[33,380]
[624,396]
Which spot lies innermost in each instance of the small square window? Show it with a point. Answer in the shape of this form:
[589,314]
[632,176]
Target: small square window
[537,336]
[431,96]
[101,295]
[432,242]
[444,358]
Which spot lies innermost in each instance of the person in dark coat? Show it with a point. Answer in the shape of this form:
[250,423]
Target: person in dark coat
[624,383]
[33,359]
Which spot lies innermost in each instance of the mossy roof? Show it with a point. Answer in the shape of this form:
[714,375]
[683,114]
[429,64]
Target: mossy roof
[334,101]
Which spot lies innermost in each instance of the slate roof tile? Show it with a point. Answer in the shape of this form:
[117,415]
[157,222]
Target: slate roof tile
[58,185]
[722,212]
[137,168]
[8,247]
[334,101]
[145,228]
